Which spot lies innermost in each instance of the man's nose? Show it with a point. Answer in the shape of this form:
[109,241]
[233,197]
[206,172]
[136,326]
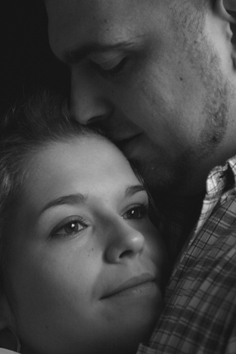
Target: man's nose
[88,103]
[123,242]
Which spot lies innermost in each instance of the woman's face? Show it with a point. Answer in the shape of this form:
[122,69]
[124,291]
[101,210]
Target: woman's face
[86,266]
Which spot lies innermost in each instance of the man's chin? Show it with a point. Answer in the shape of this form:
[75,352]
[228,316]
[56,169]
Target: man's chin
[157,177]
[161,173]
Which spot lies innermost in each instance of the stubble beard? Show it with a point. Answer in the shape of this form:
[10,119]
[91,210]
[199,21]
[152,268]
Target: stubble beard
[184,174]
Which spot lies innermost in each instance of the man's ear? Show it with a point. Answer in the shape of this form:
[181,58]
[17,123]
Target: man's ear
[230,5]
[224,9]
[225,14]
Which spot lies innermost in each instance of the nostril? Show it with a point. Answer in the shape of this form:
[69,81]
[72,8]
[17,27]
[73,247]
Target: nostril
[127,253]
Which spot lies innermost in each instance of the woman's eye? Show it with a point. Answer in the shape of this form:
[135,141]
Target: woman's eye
[136,213]
[70,228]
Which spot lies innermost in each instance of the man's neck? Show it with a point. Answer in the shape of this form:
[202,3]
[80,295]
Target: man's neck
[180,216]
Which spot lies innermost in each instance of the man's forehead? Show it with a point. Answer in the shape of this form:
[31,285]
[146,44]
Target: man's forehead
[96,10]
[89,8]
[75,22]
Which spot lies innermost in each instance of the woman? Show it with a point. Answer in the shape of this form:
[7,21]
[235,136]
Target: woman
[83,268]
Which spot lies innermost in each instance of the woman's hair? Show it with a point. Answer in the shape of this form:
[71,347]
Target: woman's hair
[40,120]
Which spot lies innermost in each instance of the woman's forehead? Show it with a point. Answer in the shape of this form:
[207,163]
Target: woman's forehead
[83,164]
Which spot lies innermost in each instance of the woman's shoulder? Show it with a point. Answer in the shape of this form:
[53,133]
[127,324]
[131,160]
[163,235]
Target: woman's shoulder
[6,351]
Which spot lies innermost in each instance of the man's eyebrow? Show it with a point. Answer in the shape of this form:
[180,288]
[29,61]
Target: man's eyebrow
[134,189]
[77,54]
[72,199]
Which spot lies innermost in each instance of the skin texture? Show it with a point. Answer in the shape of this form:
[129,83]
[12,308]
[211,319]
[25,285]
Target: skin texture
[165,93]
[67,257]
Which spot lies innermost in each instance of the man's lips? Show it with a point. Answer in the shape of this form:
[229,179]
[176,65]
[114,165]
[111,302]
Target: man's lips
[124,142]
[131,284]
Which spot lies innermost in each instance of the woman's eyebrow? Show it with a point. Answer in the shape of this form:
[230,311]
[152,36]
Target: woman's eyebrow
[72,199]
[131,190]
[77,54]
[78,198]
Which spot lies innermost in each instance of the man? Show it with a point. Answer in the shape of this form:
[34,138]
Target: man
[159,76]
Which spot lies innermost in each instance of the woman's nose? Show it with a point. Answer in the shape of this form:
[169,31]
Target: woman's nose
[123,242]
[89,103]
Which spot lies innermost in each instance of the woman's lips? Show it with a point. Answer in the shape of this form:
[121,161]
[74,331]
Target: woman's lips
[137,285]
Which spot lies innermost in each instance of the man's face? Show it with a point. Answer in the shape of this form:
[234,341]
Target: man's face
[155,87]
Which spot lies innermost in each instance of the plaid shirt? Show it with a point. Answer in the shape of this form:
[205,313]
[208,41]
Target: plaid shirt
[200,312]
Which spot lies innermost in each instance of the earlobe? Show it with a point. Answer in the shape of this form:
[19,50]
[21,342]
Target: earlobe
[225,19]
[224,9]
[230,5]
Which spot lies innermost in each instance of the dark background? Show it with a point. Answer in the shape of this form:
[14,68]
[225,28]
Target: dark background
[26,62]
